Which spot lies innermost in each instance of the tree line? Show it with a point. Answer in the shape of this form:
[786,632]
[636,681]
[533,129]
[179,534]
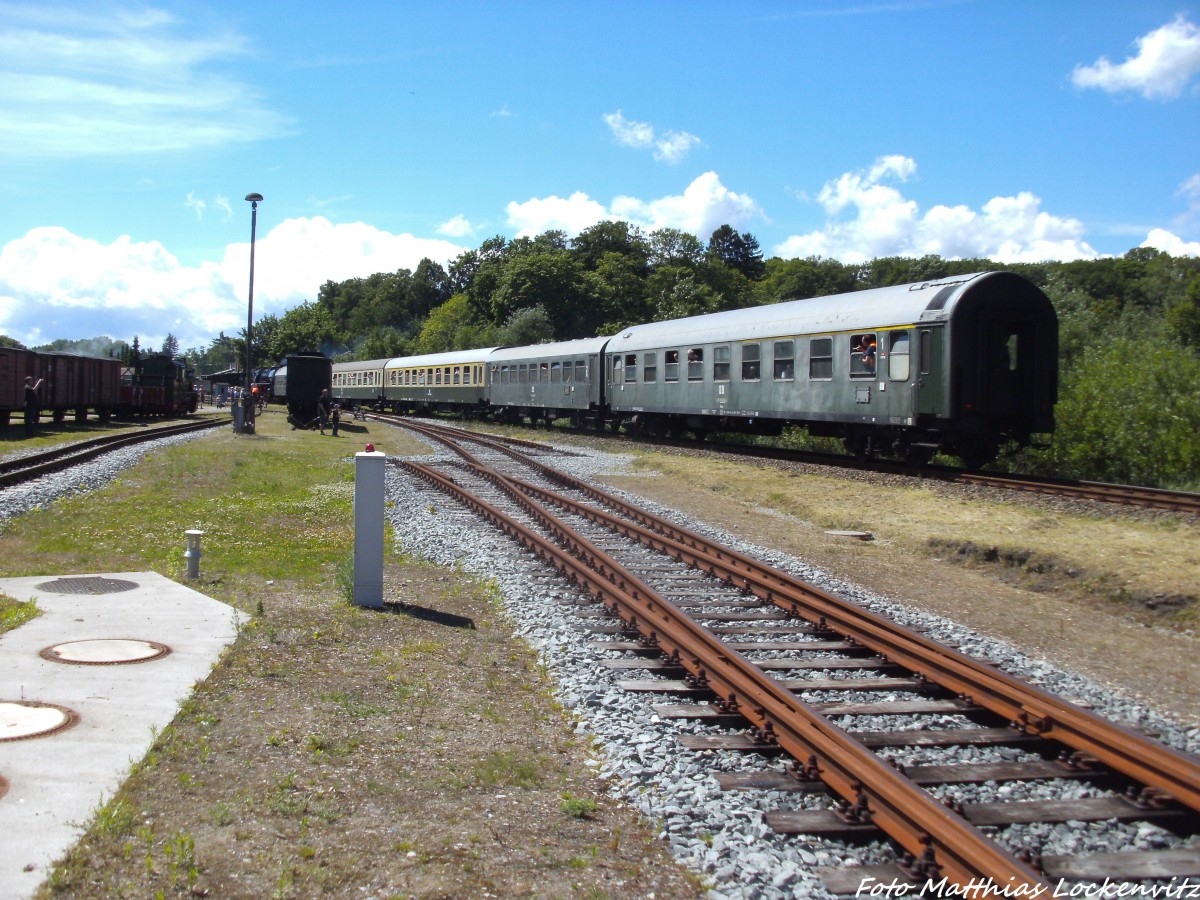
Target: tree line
[1129,326]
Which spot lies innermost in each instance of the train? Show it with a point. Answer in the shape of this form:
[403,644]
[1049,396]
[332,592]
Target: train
[965,365]
[75,385]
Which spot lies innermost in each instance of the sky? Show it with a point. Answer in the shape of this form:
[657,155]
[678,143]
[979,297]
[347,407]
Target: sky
[381,132]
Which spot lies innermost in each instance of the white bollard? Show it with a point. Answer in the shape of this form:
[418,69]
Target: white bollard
[193,554]
[368,528]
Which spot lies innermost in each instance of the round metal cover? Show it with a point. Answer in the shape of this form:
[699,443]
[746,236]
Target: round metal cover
[22,719]
[87,584]
[105,652]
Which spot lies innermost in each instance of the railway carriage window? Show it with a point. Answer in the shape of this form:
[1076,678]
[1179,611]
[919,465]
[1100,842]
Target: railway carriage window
[751,362]
[862,355]
[568,370]
[556,373]
[696,364]
[721,363]
[820,359]
[671,366]
[581,371]
[898,356]
[544,373]
[649,367]
[618,369]
[785,360]
[631,368]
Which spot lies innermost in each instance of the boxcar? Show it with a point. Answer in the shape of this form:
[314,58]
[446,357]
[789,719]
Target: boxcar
[76,384]
[965,364]
[71,384]
[438,382]
[548,382]
[359,383]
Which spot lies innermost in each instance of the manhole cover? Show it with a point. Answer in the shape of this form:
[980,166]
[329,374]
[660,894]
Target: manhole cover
[105,652]
[87,584]
[21,719]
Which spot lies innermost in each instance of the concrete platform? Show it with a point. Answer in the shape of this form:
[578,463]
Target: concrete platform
[147,642]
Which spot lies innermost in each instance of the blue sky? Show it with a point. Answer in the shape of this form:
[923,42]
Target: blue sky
[383,132]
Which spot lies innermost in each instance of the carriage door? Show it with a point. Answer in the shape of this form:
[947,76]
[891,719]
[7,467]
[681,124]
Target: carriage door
[929,381]
[1006,368]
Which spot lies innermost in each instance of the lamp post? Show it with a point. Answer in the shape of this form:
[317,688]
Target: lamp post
[248,400]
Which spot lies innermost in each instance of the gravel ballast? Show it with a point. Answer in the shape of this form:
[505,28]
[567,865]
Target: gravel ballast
[722,834]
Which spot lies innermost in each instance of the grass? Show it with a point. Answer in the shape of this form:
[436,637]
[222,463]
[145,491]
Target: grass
[1119,555]
[15,613]
[302,484]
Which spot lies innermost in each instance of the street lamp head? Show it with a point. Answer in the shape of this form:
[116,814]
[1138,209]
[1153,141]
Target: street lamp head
[254,197]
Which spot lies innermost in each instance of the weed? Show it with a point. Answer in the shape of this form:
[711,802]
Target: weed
[15,613]
[578,807]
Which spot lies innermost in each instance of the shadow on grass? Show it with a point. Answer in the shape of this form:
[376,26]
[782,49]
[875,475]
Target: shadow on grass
[431,615]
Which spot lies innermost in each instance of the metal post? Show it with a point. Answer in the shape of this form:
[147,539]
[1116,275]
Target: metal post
[248,400]
[193,554]
[368,528]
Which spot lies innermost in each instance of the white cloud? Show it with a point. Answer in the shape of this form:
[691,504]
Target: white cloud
[669,146]
[195,204]
[55,284]
[121,82]
[886,223]
[704,206]
[457,227]
[572,215]
[1165,62]
[1163,240]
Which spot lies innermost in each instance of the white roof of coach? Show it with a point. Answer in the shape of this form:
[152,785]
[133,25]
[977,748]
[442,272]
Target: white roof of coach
[452,358]
[359,365]
[580,347]
[875,308]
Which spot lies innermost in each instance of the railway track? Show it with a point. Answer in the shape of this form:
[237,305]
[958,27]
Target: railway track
[26,468]
[778,661]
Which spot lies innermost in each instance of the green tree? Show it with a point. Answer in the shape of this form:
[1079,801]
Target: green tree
[737,251]
[308,326]
[610,238]
[526,327]
[1127,415]
[170,345]
[552,279]
[381,343]
[6,341]
[453,326]
[1184,316]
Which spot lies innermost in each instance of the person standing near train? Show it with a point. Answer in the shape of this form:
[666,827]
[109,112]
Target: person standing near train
[324,406]
[33,404]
